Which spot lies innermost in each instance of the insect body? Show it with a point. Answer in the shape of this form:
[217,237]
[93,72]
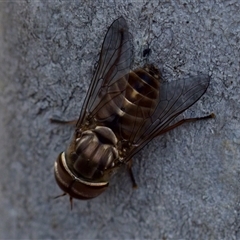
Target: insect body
[122,112]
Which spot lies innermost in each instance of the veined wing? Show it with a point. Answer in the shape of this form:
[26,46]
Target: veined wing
[115,61]
[174,98]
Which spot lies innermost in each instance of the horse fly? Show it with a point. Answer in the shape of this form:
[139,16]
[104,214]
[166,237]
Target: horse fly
[122,112]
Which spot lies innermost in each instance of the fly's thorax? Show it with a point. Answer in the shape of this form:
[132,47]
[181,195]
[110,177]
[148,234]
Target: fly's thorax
[95,152]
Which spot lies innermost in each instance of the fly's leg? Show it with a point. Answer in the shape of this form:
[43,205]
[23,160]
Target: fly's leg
[167,129]
[57,121]
[61,195]
[70,199]
[129,165]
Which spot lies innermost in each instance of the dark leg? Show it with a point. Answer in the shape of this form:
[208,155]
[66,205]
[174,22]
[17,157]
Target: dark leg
[131,174]
[64,194]
[212,115]
[70,198]
[72,122]
[71,202]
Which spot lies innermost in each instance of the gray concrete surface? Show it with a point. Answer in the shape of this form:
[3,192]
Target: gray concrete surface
[188,179]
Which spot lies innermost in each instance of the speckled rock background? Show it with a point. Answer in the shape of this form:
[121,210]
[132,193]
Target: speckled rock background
[188,179]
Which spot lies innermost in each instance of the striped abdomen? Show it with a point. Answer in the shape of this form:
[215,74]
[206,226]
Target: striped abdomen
[130,101]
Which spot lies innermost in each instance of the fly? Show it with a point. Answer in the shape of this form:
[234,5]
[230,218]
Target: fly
[123,111]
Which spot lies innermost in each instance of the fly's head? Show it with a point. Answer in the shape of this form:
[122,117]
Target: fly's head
[84,170]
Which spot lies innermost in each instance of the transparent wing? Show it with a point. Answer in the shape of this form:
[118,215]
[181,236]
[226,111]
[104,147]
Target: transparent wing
[174,98]
[115,62]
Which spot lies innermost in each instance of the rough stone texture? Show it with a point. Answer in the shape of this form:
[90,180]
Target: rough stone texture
[188,179]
